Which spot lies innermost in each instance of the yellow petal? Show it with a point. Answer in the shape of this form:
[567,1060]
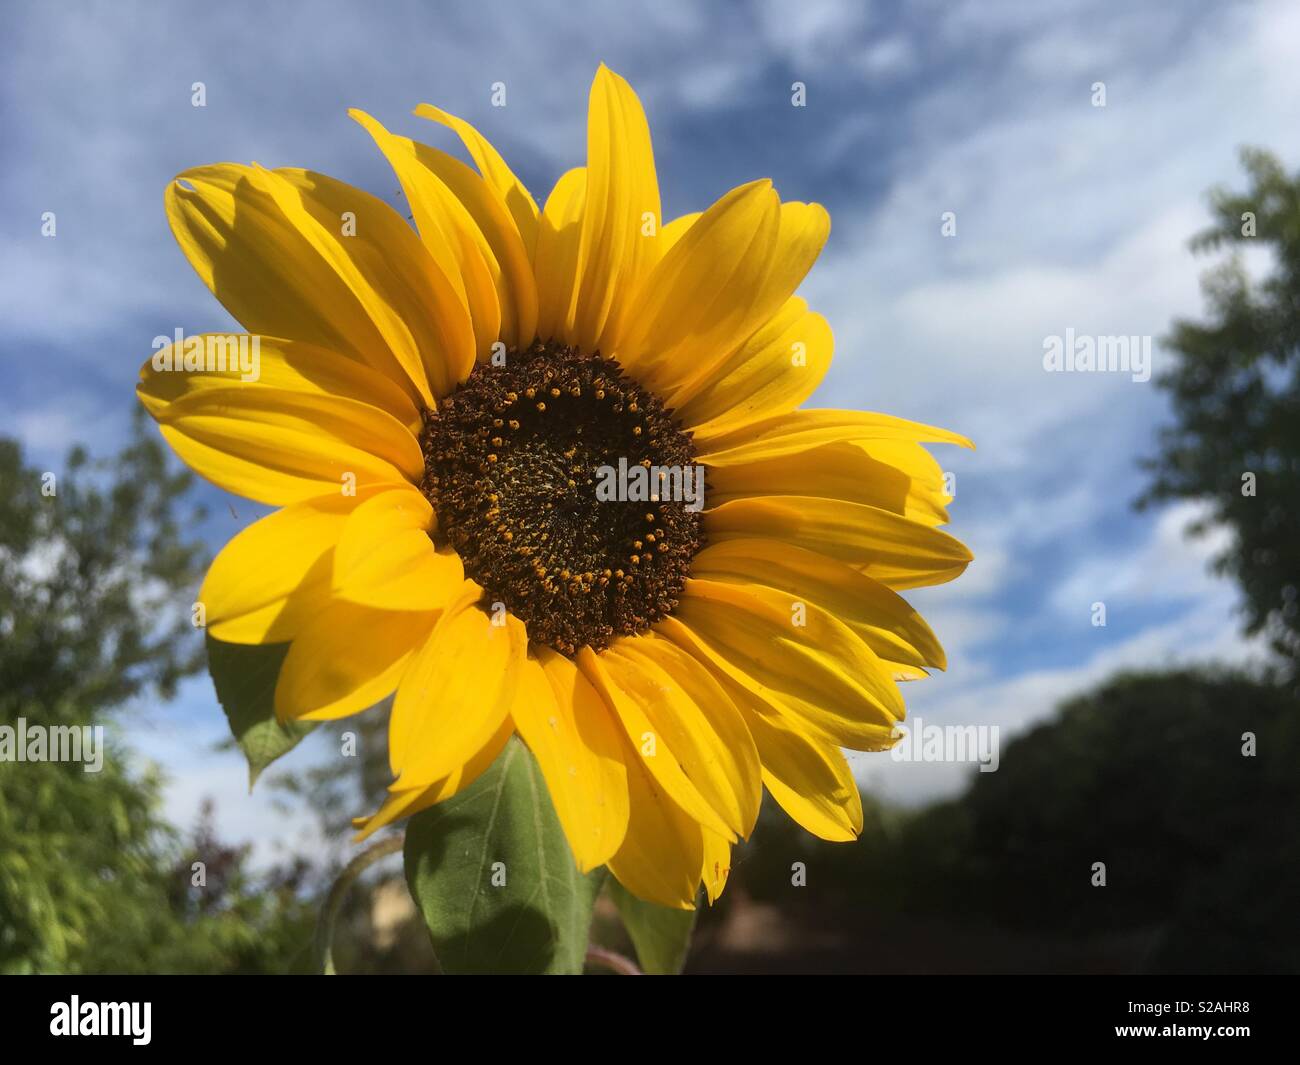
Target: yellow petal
[701,295]
[820,671]
[810,778]
[717,863]
[885,546]
[673,231]
[385,558]
[882,619]
[279,447]
[738,302]
[927,490]
[273,247]
[578,748]
[653,719]
[499,177]
[663,852]
[411,801]
[214,361]
[418,310]
[457,691]
[800,430]
[811,719]
[556,262]
[728,773]
[772,372]
[621,217]
[345,660]
[274,576]
[893,475]
[498,239]
[902,672]
[449,233]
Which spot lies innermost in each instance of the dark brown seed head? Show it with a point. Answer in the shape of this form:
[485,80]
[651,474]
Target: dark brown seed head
[512,465]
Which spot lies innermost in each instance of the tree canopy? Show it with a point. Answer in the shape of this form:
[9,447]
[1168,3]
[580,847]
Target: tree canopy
[1235,391]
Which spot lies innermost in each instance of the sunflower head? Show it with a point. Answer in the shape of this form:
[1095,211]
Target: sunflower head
[545,472]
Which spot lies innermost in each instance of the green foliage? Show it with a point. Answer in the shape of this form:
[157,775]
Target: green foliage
[662,937]
[89,580]
[95,585]
[494,877]
[94,880]
[1235,391]
[244,677]
[1148,775]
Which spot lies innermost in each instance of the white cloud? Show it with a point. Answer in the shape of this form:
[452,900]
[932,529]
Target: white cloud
[889,57]
[812,33]
[48,430]
[1162,572]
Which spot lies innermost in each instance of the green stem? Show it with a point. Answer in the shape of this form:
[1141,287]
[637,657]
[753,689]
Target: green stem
[334,900]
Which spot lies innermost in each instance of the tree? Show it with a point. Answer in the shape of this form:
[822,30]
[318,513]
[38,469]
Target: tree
[96,572]
[1235,391]
[1183,785]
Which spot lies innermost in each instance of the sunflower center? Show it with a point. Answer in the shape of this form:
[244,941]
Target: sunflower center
[569,493]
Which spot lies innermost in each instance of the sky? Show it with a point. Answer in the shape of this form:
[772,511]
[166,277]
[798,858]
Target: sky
[1068,216]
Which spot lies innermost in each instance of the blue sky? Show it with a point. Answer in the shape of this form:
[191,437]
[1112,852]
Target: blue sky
[1068,216]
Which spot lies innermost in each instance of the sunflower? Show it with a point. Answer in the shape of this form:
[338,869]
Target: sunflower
[434,410]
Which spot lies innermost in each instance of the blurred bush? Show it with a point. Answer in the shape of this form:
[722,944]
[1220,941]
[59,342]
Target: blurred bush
[1147,775]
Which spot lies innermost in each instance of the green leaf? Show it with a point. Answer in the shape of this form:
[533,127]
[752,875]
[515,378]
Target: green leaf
[662,936]
[457,852]
[245,677]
